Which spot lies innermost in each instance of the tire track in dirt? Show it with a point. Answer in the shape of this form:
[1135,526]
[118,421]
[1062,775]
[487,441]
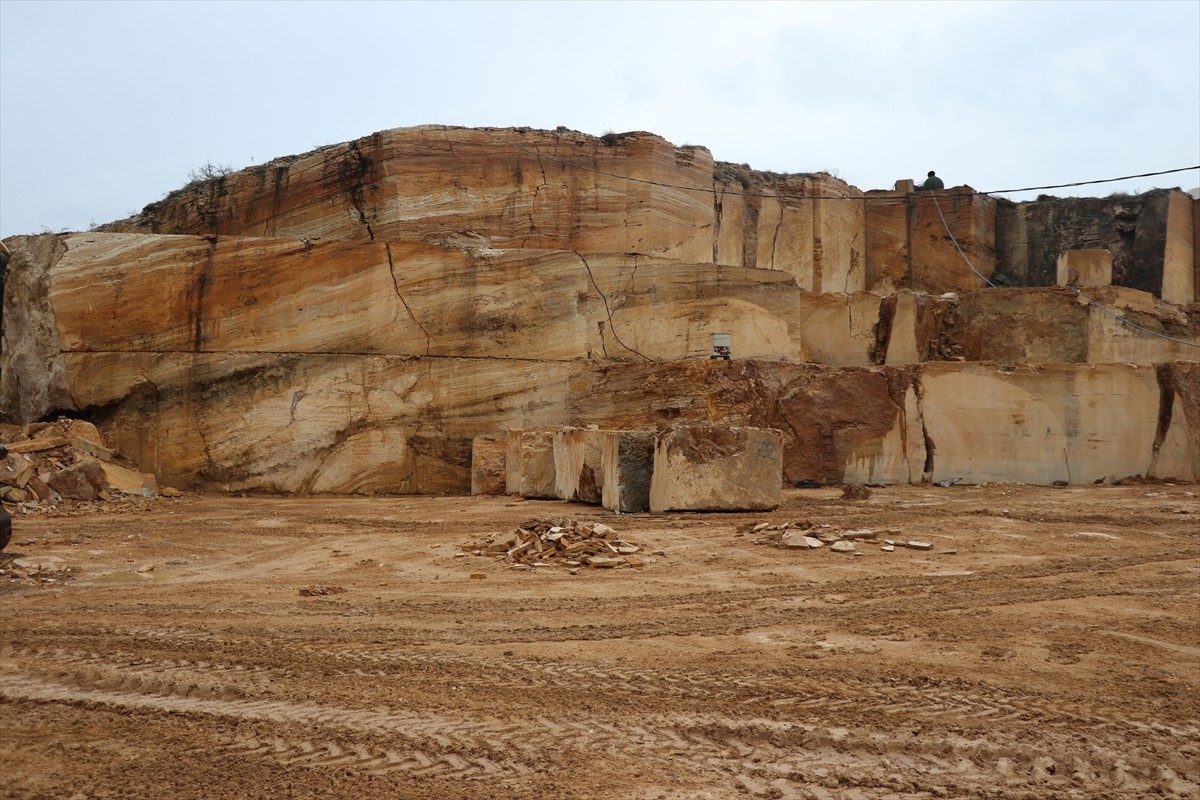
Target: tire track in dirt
[827,697]
[762,755]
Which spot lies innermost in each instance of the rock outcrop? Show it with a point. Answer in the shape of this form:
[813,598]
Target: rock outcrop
[354,320]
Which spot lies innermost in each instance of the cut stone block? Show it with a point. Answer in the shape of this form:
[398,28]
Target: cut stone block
[529,463]
[1181,256]
[1075,423]
[1085,268]
[713,468]
[628,464]
[488,459]
[578,456]
[127,480]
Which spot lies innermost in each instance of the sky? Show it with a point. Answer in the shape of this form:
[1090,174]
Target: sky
[107,106]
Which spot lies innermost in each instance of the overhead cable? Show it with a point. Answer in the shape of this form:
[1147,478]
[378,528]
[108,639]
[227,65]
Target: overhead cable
[1108,311]
[782,196]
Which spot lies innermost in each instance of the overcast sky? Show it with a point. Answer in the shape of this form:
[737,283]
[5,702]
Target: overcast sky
[105,106]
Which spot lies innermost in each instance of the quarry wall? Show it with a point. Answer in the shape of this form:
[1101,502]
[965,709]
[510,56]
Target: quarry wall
[351,319]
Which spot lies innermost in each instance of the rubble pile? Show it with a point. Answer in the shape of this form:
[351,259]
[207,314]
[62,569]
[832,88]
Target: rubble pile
[807,535]
[49,462]
[545,541]
[45,570]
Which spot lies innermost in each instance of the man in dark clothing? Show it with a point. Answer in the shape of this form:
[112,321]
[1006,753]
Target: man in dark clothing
[932,183]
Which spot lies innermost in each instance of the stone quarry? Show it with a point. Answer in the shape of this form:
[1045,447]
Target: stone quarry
[439,310]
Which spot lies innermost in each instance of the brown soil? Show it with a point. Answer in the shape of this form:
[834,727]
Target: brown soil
[1046,647]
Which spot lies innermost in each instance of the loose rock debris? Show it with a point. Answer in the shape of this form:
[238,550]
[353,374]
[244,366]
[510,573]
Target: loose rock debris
[320,591]
[808,535]
[60,464]
[547,541]
[855,491]
[45,570]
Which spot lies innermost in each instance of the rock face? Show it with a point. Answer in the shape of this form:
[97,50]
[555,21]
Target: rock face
[354,320]
[710,468]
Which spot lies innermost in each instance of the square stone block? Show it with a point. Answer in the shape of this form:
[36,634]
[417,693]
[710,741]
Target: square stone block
[489,454]
[1085,268]
[578,453]
[529,463]
[714,468]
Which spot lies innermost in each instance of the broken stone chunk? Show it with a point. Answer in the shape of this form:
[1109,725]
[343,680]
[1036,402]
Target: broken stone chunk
[915,545]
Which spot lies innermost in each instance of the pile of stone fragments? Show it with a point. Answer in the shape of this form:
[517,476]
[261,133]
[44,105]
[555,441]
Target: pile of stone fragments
[807,535]
[66,460]
[546,541]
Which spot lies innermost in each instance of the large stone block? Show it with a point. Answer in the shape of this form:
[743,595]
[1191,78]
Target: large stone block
[839,329]
[505,188]
[936,223]
[312,423]
[1037,326]
[669,311]
[529,463]
[628,465]
[1181,257]
[578,464]
[811,226]
[1085,268]
[1054,422]
[488,459]
[713,468]
[850,425]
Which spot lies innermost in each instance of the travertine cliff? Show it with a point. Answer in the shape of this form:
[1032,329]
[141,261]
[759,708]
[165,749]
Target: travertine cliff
[349,320]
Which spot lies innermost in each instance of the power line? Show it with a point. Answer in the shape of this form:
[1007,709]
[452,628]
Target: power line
[784,196]
[1108,311]
[934,195]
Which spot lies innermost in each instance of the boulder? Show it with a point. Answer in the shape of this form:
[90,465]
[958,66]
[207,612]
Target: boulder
[84,480]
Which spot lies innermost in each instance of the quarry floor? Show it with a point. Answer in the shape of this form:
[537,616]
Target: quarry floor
[1048,646]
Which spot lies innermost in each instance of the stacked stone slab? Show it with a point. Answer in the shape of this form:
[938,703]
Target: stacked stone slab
[713,468]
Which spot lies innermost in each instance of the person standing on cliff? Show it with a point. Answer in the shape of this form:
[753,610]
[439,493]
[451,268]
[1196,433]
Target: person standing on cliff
[932,183]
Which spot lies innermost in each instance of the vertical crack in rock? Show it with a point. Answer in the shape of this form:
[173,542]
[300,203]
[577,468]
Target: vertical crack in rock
[718,204]
[396,284]
[818,250]
[200,293]
[883,330]
[930,448]
[537,190]
[607,309]
[750,209]
[1166,406]
[353,177]
[775,237]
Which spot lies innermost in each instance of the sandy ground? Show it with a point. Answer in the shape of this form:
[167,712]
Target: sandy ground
[1048,646]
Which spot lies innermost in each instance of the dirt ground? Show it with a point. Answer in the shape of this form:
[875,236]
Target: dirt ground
[1048,646]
